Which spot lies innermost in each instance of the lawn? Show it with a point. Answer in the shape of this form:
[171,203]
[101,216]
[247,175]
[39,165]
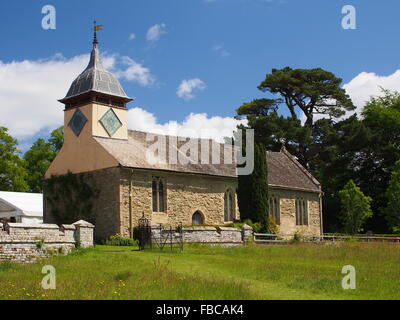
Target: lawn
[299,271]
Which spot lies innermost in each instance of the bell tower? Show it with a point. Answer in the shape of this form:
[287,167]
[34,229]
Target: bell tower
[95,105]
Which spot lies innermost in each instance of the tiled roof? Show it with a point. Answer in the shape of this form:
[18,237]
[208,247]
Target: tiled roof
[95,78]
[284,170]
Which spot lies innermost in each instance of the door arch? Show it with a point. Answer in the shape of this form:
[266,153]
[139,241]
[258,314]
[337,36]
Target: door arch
[198,218]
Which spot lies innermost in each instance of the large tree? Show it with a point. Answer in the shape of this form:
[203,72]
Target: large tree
[38,159]
[12,169]
[56,139]
[314,91]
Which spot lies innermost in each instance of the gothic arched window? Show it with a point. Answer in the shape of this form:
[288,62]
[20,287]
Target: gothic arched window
[229,206]
[158,195]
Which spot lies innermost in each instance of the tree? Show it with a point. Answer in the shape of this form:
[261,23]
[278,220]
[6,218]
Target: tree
[12,169]
[355,207]
[314,91]
[253,190]
[392,210]
[56,139]
[37,159]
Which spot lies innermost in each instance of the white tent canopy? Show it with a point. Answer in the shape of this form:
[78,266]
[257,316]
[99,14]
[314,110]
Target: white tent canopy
[27,206]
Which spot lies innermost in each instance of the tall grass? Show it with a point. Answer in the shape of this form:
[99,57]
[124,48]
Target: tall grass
[302,271]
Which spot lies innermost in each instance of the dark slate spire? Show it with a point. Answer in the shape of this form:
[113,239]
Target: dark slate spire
[95,78]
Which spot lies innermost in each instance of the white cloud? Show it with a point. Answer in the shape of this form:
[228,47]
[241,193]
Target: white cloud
[368,84]
[155,32]
[186,88]
[29,90]
[364,86]
[221,50]
[135,72]
[132,36]
[194,126]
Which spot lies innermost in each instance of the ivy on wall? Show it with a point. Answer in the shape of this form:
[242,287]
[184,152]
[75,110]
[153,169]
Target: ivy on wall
[71,197]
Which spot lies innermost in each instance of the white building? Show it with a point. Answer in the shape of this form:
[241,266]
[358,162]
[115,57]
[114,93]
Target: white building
[21,207]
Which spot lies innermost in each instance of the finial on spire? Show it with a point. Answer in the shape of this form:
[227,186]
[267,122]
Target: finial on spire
[95,29]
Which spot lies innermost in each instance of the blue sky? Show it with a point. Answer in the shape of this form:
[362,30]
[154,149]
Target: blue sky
[227,44]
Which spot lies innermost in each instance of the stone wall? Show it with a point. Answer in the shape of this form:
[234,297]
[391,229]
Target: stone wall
[288,211]
[27,243]
[185,194]
[206,235]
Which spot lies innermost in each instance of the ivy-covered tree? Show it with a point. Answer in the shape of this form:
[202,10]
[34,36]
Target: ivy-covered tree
[37,160]
[355,208]
[392,211]
[12,168]
[253,190]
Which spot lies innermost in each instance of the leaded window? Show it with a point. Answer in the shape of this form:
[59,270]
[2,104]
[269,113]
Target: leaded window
[229,206]
[275,209]
[301,212]
[158,195]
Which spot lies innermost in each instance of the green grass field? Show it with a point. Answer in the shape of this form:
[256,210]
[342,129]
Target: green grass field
[301,271]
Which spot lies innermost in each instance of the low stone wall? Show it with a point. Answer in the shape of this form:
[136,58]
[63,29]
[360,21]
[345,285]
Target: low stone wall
[26,243]
[206,235]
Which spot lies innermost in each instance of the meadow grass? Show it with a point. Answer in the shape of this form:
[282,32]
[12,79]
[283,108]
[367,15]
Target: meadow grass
[300,271]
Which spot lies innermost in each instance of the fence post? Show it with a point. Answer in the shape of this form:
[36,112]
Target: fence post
[247,233]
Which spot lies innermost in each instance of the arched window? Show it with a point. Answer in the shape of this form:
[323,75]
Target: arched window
[154,196]
[274,208]
[197,218]
[161,199]
[301,212]
[158,195]
[229,206]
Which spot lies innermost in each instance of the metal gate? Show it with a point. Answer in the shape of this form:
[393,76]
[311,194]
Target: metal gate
[159,237]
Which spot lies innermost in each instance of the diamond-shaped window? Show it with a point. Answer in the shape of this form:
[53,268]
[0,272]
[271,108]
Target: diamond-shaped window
[110,122]
[77,122]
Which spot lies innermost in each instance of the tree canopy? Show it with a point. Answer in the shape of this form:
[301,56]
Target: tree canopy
[314,91]
[12,169]
[355,206]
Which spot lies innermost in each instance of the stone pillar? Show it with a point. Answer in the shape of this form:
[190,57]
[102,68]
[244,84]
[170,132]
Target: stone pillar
[84,233]
[247,233]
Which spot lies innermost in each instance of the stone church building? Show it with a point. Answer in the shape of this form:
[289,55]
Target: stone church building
[98,144]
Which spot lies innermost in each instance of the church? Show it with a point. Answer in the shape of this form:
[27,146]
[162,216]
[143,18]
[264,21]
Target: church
[122,184]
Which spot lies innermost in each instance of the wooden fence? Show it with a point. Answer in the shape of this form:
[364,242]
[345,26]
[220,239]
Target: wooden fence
[287,238]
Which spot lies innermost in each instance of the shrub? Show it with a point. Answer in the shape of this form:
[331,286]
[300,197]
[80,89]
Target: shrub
[40,244]
[297,237]
[118,240]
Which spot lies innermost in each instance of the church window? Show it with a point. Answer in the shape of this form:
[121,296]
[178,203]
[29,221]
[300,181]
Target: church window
[301,212]
[158,195]
[274,208]
[229,206]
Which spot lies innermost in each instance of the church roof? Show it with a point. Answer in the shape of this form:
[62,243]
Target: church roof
[284,171]
[95,78]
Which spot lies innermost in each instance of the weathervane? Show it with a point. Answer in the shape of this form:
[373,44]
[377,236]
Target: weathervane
[95,29]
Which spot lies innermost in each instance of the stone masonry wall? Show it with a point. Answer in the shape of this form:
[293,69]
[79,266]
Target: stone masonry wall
[206,235]
[185,194]
[288,211]
[27,243]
